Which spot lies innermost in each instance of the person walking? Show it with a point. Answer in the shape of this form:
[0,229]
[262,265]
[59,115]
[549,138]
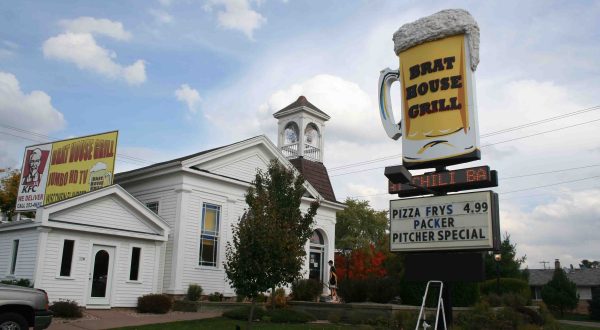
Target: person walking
[333,282]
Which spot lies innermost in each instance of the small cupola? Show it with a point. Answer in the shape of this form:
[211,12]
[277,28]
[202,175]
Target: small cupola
[300,130]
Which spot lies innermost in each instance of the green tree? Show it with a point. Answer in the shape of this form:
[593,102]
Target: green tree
[589,264]
[560,293]
[267,249]
[359,225]
[9,185]
[509,264]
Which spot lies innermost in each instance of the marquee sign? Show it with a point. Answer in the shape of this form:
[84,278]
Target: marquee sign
[438,56]
[447,181]
[466,221]
[56,171]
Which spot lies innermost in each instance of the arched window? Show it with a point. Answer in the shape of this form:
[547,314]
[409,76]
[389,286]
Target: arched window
[311,135]
[290,133]
[317,238]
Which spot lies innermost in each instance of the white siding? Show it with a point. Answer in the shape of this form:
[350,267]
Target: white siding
[154,191]
[105,212]
[28,241]
[124,293]
[244,168]
[585,292]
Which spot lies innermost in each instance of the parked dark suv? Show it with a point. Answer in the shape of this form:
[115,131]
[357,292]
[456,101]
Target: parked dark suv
[21,308]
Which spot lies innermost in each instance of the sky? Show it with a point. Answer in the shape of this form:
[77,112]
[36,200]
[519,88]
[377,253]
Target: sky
[175,77]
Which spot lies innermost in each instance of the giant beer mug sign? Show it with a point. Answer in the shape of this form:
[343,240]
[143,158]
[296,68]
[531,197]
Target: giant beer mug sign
[438,56]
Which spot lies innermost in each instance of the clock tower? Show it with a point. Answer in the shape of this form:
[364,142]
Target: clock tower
[300,130]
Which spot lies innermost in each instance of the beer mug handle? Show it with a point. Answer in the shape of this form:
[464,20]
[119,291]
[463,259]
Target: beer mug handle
[386,77]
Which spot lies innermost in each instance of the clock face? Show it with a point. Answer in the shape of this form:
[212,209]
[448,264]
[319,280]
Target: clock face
[291,135]
[311,135]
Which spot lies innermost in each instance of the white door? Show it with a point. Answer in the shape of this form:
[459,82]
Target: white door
[101,275]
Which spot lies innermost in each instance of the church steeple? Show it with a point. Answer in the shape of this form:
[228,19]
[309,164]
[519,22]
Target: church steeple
[300,130]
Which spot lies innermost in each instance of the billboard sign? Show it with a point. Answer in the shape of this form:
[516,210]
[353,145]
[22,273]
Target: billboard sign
[466,221]
[59,170]
[438,56]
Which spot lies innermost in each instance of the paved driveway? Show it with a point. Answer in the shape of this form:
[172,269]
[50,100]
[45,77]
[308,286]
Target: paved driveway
[116,318]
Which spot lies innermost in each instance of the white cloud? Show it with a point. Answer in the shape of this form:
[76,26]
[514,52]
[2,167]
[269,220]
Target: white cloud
[96,26]
[349,106]
[165,3]
[160,16]
[33,112]
[564,227]
[79,46]
[189,96]
[237,15]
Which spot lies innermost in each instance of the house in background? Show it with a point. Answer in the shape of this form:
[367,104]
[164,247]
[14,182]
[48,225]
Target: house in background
[585,279]
[165,226]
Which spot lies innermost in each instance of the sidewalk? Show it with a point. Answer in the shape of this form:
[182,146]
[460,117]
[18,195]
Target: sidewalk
[581,323]
[116,318]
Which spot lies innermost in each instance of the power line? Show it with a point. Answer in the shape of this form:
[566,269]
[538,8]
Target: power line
[574,113]
[483,146]
[578,112]
[45,138]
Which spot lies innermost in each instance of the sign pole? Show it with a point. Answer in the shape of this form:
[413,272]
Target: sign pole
[447,288]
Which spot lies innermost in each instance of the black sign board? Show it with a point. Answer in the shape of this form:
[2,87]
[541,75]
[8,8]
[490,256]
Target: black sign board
[447,181]
[440,266]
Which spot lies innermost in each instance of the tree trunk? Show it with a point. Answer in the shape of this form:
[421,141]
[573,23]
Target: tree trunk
[251,315]
[272,297]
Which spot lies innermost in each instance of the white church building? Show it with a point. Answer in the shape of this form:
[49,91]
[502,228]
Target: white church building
[160,228]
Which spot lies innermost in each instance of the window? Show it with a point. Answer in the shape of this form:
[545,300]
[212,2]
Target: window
[67,257]
[134,270]
[153,206]
[15,251]
[209,237]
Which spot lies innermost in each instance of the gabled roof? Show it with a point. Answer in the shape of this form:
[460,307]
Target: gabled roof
[581,277]
[299,104]
[176,161]
[316,174]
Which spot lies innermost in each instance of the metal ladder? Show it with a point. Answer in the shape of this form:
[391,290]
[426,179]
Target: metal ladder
[440,306]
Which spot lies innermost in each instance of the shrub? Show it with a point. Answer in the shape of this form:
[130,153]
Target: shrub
[464,294]
[334,317]
[530,315]
[404,320]
[194,292]
[19,282]
[549,321]
[154,303]
[66,309]
[240,298]
[381,290]
[507,285]
[306,289]
[215,296]
[280,298]
[594,307]
[185,306]
[286,315]
[243,312]
[560,294]
[353,290]
[261,298]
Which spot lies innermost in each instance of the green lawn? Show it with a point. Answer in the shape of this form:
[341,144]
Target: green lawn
[223,323]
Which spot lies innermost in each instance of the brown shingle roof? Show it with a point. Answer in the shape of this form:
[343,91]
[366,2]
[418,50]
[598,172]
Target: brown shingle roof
[581,277]
[316,174]
[301,102]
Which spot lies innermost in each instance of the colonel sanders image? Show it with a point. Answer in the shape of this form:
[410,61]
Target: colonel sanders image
[33,171]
